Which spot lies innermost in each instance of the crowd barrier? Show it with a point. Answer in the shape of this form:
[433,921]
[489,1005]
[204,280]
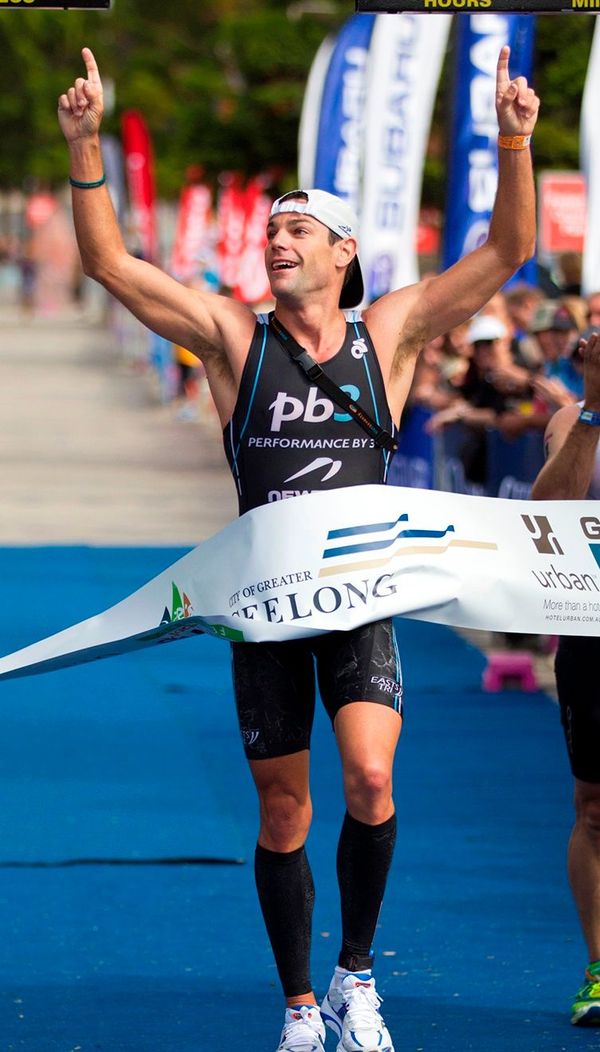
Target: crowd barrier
[425,461]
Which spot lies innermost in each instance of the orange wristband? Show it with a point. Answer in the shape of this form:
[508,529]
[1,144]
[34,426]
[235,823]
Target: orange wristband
[514,142]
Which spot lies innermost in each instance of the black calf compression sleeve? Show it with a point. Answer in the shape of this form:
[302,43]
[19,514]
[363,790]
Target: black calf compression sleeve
[286,894]
[363,860]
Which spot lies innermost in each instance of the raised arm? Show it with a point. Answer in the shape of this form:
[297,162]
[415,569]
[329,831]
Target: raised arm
[204,323]
[418,314]
[464,288]
[572,444]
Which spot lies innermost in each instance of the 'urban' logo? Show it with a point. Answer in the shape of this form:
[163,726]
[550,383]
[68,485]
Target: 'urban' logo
[542,534]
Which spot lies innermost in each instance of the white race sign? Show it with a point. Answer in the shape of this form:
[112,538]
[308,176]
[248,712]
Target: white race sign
[338,559]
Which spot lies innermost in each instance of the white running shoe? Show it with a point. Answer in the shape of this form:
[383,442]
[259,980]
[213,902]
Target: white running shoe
[303,1030]
[351,1010]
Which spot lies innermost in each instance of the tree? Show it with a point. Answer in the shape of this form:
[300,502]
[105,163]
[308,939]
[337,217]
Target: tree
[221,82]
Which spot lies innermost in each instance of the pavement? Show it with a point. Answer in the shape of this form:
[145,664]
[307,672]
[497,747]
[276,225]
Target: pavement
[89,454]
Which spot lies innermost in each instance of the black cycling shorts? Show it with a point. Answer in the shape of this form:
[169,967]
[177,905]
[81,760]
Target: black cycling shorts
[577,666]
[274,683]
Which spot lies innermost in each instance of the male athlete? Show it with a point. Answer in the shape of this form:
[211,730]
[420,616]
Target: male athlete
[572,472]
[275,420]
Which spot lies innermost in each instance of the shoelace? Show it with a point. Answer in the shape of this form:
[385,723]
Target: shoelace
[361,1002]
[296,1031]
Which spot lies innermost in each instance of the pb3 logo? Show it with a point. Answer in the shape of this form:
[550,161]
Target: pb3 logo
[315,411]
[542,534]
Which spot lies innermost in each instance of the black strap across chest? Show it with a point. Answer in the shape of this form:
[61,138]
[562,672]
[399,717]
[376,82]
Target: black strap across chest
[315,373]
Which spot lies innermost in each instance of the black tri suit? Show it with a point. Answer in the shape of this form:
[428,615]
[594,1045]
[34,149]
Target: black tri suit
[577,664]
[286,438]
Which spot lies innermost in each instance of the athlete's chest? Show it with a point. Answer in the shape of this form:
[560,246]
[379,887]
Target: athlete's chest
[277,396]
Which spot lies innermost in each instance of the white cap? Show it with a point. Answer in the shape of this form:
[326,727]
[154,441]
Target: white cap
[337,216]
[486,327]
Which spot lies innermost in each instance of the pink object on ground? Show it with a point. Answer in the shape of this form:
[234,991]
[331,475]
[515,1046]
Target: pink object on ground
[506,669]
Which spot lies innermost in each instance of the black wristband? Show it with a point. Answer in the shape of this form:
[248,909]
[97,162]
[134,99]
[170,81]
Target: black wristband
[88,186]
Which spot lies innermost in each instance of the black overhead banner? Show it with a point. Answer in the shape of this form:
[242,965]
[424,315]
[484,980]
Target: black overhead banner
[54,5]
[473,7]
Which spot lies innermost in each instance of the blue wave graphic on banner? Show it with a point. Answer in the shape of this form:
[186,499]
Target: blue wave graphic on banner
[374,546]
[372,527]
[473,162]
[339,143]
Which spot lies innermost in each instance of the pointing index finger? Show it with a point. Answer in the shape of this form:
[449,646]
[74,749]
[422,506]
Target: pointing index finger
[502,75]
[91,66]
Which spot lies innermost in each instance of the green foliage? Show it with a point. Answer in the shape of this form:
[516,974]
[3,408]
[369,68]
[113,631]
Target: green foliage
[221,83]
[561,57]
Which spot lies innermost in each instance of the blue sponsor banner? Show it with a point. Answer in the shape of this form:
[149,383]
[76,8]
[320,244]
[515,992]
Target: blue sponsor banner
[508,467]
[341,121]
[473,161]
[505,467]
[513,463]
[454,460]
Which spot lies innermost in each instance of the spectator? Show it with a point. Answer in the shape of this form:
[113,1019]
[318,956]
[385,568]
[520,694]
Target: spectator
[558,380]
[27,272]
[441,369]
[480,400]
[188,370]
[558,383]
[522,300]
[511,375]
[578,309]
[593,309]
[569,268]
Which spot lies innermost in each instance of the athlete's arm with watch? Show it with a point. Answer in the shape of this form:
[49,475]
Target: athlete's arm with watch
[572,437]
[408,319]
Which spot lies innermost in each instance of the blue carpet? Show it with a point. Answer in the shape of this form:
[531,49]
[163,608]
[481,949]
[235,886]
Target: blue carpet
[99,762]
[478,945]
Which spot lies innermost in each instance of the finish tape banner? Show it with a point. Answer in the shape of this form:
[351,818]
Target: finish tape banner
[335,560]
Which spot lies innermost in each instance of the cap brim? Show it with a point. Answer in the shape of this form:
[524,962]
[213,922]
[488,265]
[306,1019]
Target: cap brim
[353,291]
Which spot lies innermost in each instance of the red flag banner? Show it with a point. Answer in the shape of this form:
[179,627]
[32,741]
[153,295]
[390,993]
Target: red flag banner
[139,165]
[252,284]
[192,231]
[231,219]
